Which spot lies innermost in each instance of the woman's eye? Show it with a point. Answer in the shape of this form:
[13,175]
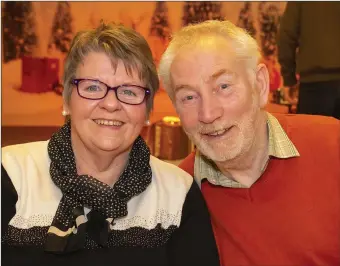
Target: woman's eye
[129,93]
[93,88]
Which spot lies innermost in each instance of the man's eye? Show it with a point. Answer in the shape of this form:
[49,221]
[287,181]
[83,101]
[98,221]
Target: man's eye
[224,86]
[186,97]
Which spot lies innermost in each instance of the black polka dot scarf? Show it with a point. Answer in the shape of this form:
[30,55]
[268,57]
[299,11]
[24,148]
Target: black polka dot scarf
[70,224]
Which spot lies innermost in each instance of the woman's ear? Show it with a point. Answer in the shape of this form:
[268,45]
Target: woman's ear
[66,110]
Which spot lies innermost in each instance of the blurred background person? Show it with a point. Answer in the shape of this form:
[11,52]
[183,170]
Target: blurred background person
[308,44]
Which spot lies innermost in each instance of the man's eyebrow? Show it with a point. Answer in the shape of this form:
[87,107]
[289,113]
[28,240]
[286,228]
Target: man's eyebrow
[211,78]
[182,86]
[220,73]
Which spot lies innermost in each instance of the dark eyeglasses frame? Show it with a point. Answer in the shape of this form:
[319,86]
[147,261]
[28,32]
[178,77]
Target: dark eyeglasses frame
[77,81]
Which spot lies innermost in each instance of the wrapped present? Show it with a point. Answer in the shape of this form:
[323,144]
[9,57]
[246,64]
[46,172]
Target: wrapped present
[148,134]
[39,74]
[170,140]
[274,79]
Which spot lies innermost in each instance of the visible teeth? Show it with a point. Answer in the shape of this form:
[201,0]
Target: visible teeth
[216,133]
[108,122]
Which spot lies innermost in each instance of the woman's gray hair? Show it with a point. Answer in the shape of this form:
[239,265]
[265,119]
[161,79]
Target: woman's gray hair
[245,46]
[119,43]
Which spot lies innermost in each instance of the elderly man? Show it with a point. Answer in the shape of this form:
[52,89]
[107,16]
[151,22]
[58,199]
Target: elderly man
[271,182]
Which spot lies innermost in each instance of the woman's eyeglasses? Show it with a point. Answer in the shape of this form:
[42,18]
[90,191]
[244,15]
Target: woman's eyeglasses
[95,90]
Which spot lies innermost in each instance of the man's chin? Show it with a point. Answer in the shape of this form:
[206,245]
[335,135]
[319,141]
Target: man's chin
[213,151]
[216,153]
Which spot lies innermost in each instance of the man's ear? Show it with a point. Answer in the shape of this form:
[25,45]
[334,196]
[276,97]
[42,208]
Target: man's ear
[262,84]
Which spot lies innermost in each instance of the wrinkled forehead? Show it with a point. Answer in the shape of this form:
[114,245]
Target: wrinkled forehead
[221,46]
[205,59]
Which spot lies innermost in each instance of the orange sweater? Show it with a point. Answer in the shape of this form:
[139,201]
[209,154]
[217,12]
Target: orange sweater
[291,215]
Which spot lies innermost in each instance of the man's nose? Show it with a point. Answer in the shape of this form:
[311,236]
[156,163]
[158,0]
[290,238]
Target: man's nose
[210,109]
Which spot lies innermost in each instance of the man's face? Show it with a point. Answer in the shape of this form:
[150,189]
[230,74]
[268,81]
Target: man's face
[216,99]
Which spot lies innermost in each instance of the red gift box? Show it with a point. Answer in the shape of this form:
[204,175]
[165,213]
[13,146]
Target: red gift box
[39,74]
[275,79]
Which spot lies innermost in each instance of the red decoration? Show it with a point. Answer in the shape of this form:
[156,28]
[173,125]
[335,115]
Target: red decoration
[39,74]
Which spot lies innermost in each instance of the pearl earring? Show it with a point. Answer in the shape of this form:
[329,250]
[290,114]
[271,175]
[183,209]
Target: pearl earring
[64,113]
[147,122]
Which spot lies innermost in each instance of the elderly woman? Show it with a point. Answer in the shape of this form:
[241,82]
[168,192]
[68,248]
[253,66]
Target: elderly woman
[92,194]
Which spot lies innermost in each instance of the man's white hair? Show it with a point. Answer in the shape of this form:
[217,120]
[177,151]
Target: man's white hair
[245,46]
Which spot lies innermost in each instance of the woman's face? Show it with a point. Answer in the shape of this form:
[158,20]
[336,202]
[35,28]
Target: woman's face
[106,124]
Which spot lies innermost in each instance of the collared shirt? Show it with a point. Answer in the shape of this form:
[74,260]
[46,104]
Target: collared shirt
[279,146]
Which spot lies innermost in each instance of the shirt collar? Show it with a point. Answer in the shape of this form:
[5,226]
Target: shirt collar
[279,146]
